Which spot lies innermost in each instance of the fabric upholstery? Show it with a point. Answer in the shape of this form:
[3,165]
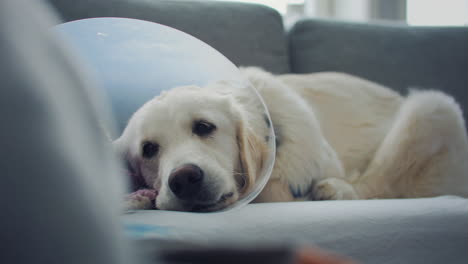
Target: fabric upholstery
[400,57]
[247,34]
[429,230]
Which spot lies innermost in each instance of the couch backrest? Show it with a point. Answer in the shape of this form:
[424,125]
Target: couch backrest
[400,57]
[247,34]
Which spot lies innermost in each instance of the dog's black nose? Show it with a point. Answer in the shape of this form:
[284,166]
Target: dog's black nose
[186,181]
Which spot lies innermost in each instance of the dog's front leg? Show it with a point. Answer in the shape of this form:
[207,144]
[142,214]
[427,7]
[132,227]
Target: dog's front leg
[333,189]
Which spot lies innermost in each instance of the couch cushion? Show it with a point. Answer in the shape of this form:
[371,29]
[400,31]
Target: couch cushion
[245,33]
[429,230]
[397,56]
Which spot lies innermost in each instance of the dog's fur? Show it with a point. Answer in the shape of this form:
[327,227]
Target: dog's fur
[338,137]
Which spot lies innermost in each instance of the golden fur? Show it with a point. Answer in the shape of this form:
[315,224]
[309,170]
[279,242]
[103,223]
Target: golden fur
[339,137]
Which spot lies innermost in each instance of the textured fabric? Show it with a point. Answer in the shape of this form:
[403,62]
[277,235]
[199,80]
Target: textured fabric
[431,230]
[58,190]
[246,34]
[396,56]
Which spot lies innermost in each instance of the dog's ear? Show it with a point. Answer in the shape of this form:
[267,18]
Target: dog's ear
[252,151]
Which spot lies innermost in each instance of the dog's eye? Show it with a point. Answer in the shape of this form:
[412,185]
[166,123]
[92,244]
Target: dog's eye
[203,128]
[149,149]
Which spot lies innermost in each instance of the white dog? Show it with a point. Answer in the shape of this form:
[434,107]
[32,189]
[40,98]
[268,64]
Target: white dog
[338,137]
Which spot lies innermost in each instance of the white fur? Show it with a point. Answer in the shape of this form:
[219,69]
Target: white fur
[340,137]
[368,141]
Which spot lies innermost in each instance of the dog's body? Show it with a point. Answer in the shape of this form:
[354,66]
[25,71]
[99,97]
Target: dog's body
[338,137]
[361,140]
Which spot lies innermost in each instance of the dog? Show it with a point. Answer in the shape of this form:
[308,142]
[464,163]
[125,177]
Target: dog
[338,137]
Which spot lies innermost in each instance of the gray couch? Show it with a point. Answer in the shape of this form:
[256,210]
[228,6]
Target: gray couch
[247,34]
[431,230]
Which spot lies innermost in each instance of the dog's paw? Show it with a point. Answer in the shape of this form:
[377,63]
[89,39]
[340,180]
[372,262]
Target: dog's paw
[334,189]
[140,200]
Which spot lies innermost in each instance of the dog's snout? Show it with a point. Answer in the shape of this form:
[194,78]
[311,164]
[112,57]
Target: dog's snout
[186,181]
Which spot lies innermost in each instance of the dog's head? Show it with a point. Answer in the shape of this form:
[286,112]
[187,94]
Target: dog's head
[195,146]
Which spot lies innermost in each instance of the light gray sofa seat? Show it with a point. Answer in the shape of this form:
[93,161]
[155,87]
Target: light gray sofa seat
[430,230]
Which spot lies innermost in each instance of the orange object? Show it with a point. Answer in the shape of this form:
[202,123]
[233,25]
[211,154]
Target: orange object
[315,256]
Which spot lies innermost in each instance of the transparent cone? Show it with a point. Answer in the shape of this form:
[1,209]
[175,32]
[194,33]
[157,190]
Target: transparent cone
[135,61]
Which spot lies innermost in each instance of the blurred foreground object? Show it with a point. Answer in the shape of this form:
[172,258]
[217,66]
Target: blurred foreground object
[58,196]
[183,252]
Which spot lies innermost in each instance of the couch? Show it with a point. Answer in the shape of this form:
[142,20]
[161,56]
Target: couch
[398,56]
[426,230]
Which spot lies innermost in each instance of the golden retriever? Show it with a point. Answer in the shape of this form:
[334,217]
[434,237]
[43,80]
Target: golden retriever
[337,137]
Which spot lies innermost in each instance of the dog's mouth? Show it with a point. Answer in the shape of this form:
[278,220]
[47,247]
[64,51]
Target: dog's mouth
[221,203]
